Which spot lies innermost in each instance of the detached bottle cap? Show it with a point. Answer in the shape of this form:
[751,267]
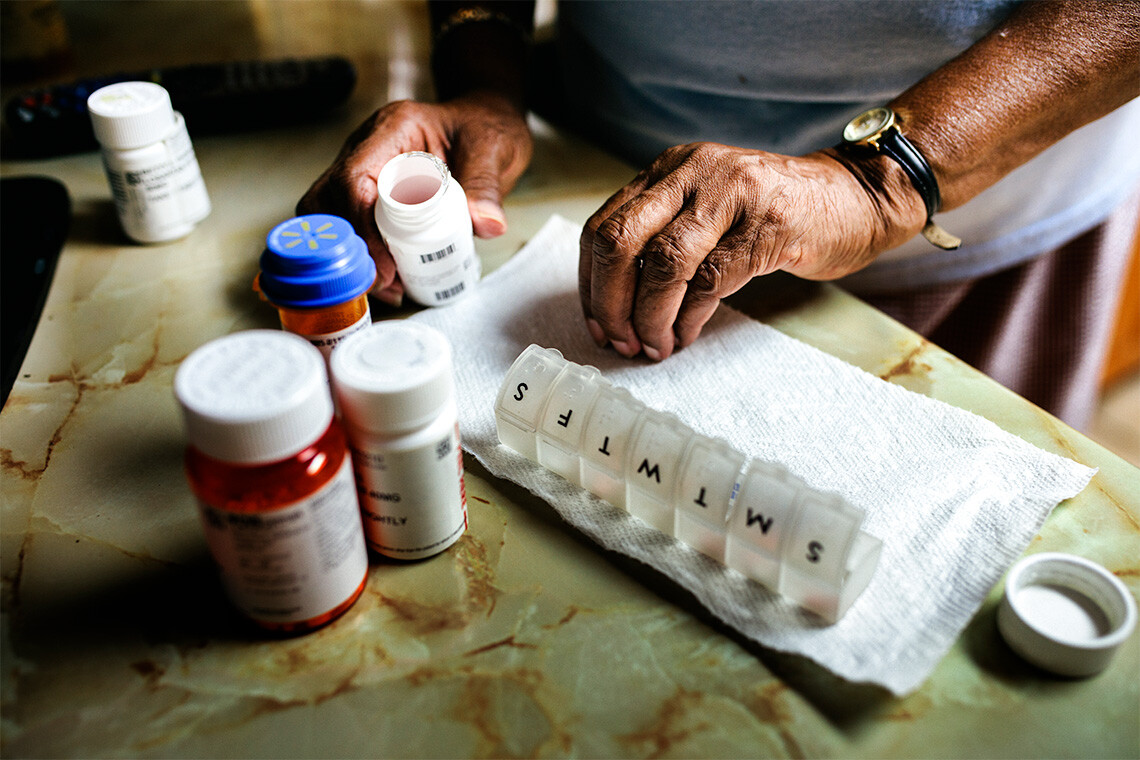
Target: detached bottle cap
[254,397]
[393,376]
[313,261]
[1065,613]
[129,115]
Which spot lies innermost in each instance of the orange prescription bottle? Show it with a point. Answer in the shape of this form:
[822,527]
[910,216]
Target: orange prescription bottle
[316,270]
[269,465]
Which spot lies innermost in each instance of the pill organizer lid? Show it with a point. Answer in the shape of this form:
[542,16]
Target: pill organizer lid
[128,115]
[254,397]
[393,376]
[1065,613]
[313,261]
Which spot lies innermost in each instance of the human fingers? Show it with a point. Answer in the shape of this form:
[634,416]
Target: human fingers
[615,263]
[724,270]
[586,255]
[672,259]
[348,187]
[491,146]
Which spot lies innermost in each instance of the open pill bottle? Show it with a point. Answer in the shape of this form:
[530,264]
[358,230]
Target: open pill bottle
[422,214]
[269,465]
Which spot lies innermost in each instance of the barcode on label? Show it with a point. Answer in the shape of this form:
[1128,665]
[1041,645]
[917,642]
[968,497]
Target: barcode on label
[437,255]
[443,295]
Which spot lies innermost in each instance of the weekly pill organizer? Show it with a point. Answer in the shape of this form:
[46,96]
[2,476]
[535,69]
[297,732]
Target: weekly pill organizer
[751,515]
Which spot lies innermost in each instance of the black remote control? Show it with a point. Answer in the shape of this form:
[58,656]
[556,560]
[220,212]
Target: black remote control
[214,98]
[36,215]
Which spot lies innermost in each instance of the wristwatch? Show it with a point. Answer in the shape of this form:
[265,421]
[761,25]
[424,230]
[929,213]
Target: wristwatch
[876,129]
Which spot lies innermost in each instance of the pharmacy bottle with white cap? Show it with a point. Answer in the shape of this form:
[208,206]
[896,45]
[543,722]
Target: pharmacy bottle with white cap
[396,391]
[421,211]
[150,163]
[269,465]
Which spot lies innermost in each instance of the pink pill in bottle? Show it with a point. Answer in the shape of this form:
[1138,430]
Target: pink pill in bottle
[422,214]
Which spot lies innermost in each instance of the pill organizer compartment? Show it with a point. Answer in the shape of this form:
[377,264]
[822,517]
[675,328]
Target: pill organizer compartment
[818,551]
[523,397]
[760,522]
[758,519]
[704,492]
[560,427]
[652,467]
[608,432]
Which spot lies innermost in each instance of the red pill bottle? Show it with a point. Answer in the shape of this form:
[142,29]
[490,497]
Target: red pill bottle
[269,465]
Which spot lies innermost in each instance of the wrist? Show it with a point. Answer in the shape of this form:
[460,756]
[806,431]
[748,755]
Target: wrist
[896,209]
[478,49]
[878,131]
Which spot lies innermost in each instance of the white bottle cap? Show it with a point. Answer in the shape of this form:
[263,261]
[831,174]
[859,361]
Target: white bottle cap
[392,377]
[1065,613]
[130,115]
[254,397]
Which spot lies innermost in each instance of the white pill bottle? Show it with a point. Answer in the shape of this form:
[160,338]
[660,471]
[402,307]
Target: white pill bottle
[396,391]
[149,159]
[422,214]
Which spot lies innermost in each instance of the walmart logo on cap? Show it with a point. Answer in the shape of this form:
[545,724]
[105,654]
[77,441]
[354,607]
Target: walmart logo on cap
[308,235]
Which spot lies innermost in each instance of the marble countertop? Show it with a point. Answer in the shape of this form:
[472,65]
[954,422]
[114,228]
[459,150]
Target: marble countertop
[524,639]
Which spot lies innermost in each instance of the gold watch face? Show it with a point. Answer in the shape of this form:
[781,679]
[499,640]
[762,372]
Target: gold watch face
[868,124]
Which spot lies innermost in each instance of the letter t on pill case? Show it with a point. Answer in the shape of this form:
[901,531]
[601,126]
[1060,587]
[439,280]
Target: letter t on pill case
[754,517]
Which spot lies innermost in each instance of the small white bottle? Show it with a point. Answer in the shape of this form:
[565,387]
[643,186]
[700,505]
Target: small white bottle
[422,213]
[149,159]
[394,384]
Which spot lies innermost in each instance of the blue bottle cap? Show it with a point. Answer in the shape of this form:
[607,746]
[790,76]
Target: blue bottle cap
[313,261]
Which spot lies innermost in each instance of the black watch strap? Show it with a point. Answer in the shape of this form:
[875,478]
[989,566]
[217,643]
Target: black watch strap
[894,144]
[901,150]
[876,129]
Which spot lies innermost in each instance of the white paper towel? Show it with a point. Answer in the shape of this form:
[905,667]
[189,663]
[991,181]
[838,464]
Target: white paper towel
[954,498]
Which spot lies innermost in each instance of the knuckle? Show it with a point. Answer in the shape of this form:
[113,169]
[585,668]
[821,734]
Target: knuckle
[709,278]
[399,109]
[611,236]
[665,260]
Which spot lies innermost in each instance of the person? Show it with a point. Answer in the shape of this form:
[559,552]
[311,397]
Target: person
[1012,126]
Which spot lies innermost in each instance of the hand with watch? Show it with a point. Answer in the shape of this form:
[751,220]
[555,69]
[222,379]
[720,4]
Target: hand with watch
[704,219]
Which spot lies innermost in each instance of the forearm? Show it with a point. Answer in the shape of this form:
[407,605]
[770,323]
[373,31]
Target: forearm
[1049,69]
[481,47]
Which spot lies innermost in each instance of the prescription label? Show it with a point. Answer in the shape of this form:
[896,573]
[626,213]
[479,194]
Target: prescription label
[295,563]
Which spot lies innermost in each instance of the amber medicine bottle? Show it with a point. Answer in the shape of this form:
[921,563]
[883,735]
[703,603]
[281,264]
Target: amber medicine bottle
[397,396]
[316,270]
[421,211]
[270,468]
[149,160]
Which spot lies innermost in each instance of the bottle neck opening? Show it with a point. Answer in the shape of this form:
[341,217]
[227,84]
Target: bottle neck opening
[412,186]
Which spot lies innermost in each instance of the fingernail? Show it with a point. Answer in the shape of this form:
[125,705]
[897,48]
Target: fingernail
[596,333]
[623,348]
[489,219]
[651,352]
